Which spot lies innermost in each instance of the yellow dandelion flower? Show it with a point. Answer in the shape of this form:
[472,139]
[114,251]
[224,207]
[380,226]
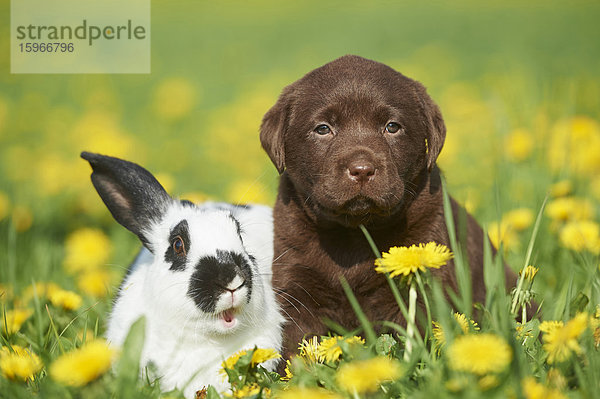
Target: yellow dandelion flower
[408,260]
[67,300]
[14,320]
[595,326]
[457,384]
[560,341]
[288,371]
[488,382]
[19,363]
[574,143]
[366,375]
[534,390]
[304,393]
[470,199]
[247,391]
[174,98]
[330,349]
[561,188]
[232,360]
[479,353]
[81,366]
[56,174]
[94,282]
[261,355]
[471,204]
[4,206]
[529,272]
[570,208]
[581,235]
[309,350]
[583,127]
[22,218]
[550,326]
[466,325]
[519,144]
[438,336]
[522,332]
[556,379]
[39,289]
[518,219]
[502,233]
[86,249]
[248,192]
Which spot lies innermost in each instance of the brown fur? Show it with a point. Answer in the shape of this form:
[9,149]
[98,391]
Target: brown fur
[358,174]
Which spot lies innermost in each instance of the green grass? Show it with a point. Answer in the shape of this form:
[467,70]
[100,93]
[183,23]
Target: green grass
[491,67]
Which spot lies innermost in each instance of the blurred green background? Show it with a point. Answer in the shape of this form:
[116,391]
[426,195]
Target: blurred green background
[517,82]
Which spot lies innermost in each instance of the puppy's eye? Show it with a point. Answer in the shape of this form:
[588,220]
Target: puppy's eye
[392,127]
[323,130]
[179,246]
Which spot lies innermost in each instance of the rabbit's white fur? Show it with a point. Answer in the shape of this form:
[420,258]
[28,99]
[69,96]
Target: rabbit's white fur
[186,345]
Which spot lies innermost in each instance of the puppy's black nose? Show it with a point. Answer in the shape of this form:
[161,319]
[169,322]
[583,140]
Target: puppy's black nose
[361,171]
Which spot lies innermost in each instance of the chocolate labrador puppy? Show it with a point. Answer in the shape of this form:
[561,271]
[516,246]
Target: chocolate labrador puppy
[355,142]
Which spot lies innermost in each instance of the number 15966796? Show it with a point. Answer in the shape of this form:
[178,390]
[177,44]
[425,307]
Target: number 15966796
[47,47]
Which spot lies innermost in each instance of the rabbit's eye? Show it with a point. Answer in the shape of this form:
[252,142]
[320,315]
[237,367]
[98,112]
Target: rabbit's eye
[179,246]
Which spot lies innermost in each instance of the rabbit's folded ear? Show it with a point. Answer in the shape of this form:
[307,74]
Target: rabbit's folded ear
[133,196]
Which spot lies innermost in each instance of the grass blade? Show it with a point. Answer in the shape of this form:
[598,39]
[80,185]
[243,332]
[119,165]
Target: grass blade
[463,273]
[362,317]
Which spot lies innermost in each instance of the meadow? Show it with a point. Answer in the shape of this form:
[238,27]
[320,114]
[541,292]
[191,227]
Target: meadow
[519,88]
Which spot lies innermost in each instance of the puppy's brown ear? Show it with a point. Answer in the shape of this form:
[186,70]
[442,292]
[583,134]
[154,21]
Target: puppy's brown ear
[436,128]
[272,131]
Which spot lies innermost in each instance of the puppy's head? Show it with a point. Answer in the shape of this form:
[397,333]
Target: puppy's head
[354,136]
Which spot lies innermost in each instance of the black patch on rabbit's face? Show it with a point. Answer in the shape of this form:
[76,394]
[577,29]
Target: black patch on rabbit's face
[176,260]
[213,275]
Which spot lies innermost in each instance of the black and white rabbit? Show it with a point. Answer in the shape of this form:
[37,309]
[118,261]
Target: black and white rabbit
[203,281]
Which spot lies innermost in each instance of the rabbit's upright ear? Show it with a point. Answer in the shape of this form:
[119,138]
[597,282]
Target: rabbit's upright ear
[133,196]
